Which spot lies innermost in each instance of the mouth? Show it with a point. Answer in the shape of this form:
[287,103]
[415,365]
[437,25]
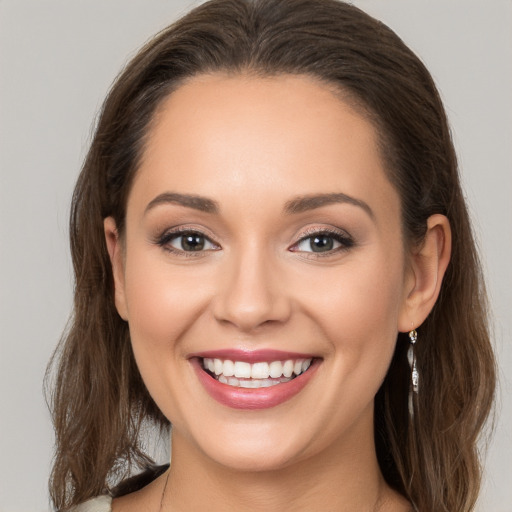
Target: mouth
[242,374]
[254,380]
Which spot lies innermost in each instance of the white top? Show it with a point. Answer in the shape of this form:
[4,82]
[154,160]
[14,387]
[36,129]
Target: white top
[99,504]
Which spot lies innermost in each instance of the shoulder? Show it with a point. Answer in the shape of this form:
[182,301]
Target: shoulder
[98,504]
[126,489]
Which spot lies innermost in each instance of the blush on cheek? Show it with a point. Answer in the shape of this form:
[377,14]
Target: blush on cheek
[163,302]
[155,321]
[361,317]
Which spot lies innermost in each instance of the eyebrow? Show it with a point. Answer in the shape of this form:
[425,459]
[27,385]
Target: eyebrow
[202,204]
[310,202]
[297,205]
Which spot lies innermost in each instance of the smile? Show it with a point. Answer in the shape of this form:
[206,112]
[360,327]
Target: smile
[253,380]
[242,374]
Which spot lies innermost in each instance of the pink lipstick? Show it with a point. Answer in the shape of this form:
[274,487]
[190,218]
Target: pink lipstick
[253,379]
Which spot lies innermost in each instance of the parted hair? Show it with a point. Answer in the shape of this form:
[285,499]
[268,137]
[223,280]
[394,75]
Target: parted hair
[99,403]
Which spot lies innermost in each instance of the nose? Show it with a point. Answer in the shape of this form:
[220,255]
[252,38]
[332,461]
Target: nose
[251,293]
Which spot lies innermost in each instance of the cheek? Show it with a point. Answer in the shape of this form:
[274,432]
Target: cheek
[163,301]
[358,307]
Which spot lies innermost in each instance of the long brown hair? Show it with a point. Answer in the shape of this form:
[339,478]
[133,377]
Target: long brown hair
[100,403]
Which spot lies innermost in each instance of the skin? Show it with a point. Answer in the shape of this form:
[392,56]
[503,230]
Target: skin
[252,145]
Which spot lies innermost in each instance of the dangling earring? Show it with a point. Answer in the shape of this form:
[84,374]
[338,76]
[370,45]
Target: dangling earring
[415,376]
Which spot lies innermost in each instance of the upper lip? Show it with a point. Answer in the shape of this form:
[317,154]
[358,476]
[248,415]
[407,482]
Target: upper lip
[251,356]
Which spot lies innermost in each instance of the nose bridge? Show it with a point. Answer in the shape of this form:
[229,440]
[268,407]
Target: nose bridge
[251,293]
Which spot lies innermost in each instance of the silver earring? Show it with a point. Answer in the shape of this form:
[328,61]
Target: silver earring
[415,376]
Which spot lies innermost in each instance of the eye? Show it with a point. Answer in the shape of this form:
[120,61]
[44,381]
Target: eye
[323,242]
[187,241]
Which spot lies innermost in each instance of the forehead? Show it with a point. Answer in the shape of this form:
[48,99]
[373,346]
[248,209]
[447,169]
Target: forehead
[270,136]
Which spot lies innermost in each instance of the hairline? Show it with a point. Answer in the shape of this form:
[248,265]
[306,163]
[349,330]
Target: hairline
[344,94]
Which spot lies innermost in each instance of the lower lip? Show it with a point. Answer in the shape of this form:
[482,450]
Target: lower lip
[253,399]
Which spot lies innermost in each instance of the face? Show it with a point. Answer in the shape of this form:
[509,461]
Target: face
[263,242]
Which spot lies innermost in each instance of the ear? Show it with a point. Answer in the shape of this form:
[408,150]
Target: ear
[115,252]
[427,266]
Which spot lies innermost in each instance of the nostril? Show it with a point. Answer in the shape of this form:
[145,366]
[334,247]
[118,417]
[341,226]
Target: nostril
[249,296]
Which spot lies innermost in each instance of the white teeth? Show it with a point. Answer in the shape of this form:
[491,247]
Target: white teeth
[242,369]
[251,383]
[261,373]
[288,368]
[229,368]
[218,366]
[276,369]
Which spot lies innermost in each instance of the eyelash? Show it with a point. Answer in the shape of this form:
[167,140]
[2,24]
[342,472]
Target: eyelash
[344,239]
[346,242]
[166,238]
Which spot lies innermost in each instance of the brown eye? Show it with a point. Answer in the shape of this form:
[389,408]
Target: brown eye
[321,243]
[324,242]
[187,241]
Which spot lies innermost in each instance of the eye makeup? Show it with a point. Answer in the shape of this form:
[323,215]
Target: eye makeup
[322,242]
[186,241]
[315,242]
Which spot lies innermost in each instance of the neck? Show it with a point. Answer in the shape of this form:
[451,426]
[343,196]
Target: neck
[343,477]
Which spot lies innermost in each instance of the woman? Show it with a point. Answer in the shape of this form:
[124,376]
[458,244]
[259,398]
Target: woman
[273,254]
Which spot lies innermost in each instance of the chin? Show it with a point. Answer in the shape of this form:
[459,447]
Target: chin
[251,447]
[255,460]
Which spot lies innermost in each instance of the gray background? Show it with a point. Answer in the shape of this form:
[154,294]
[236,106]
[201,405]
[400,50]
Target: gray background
[57,60]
